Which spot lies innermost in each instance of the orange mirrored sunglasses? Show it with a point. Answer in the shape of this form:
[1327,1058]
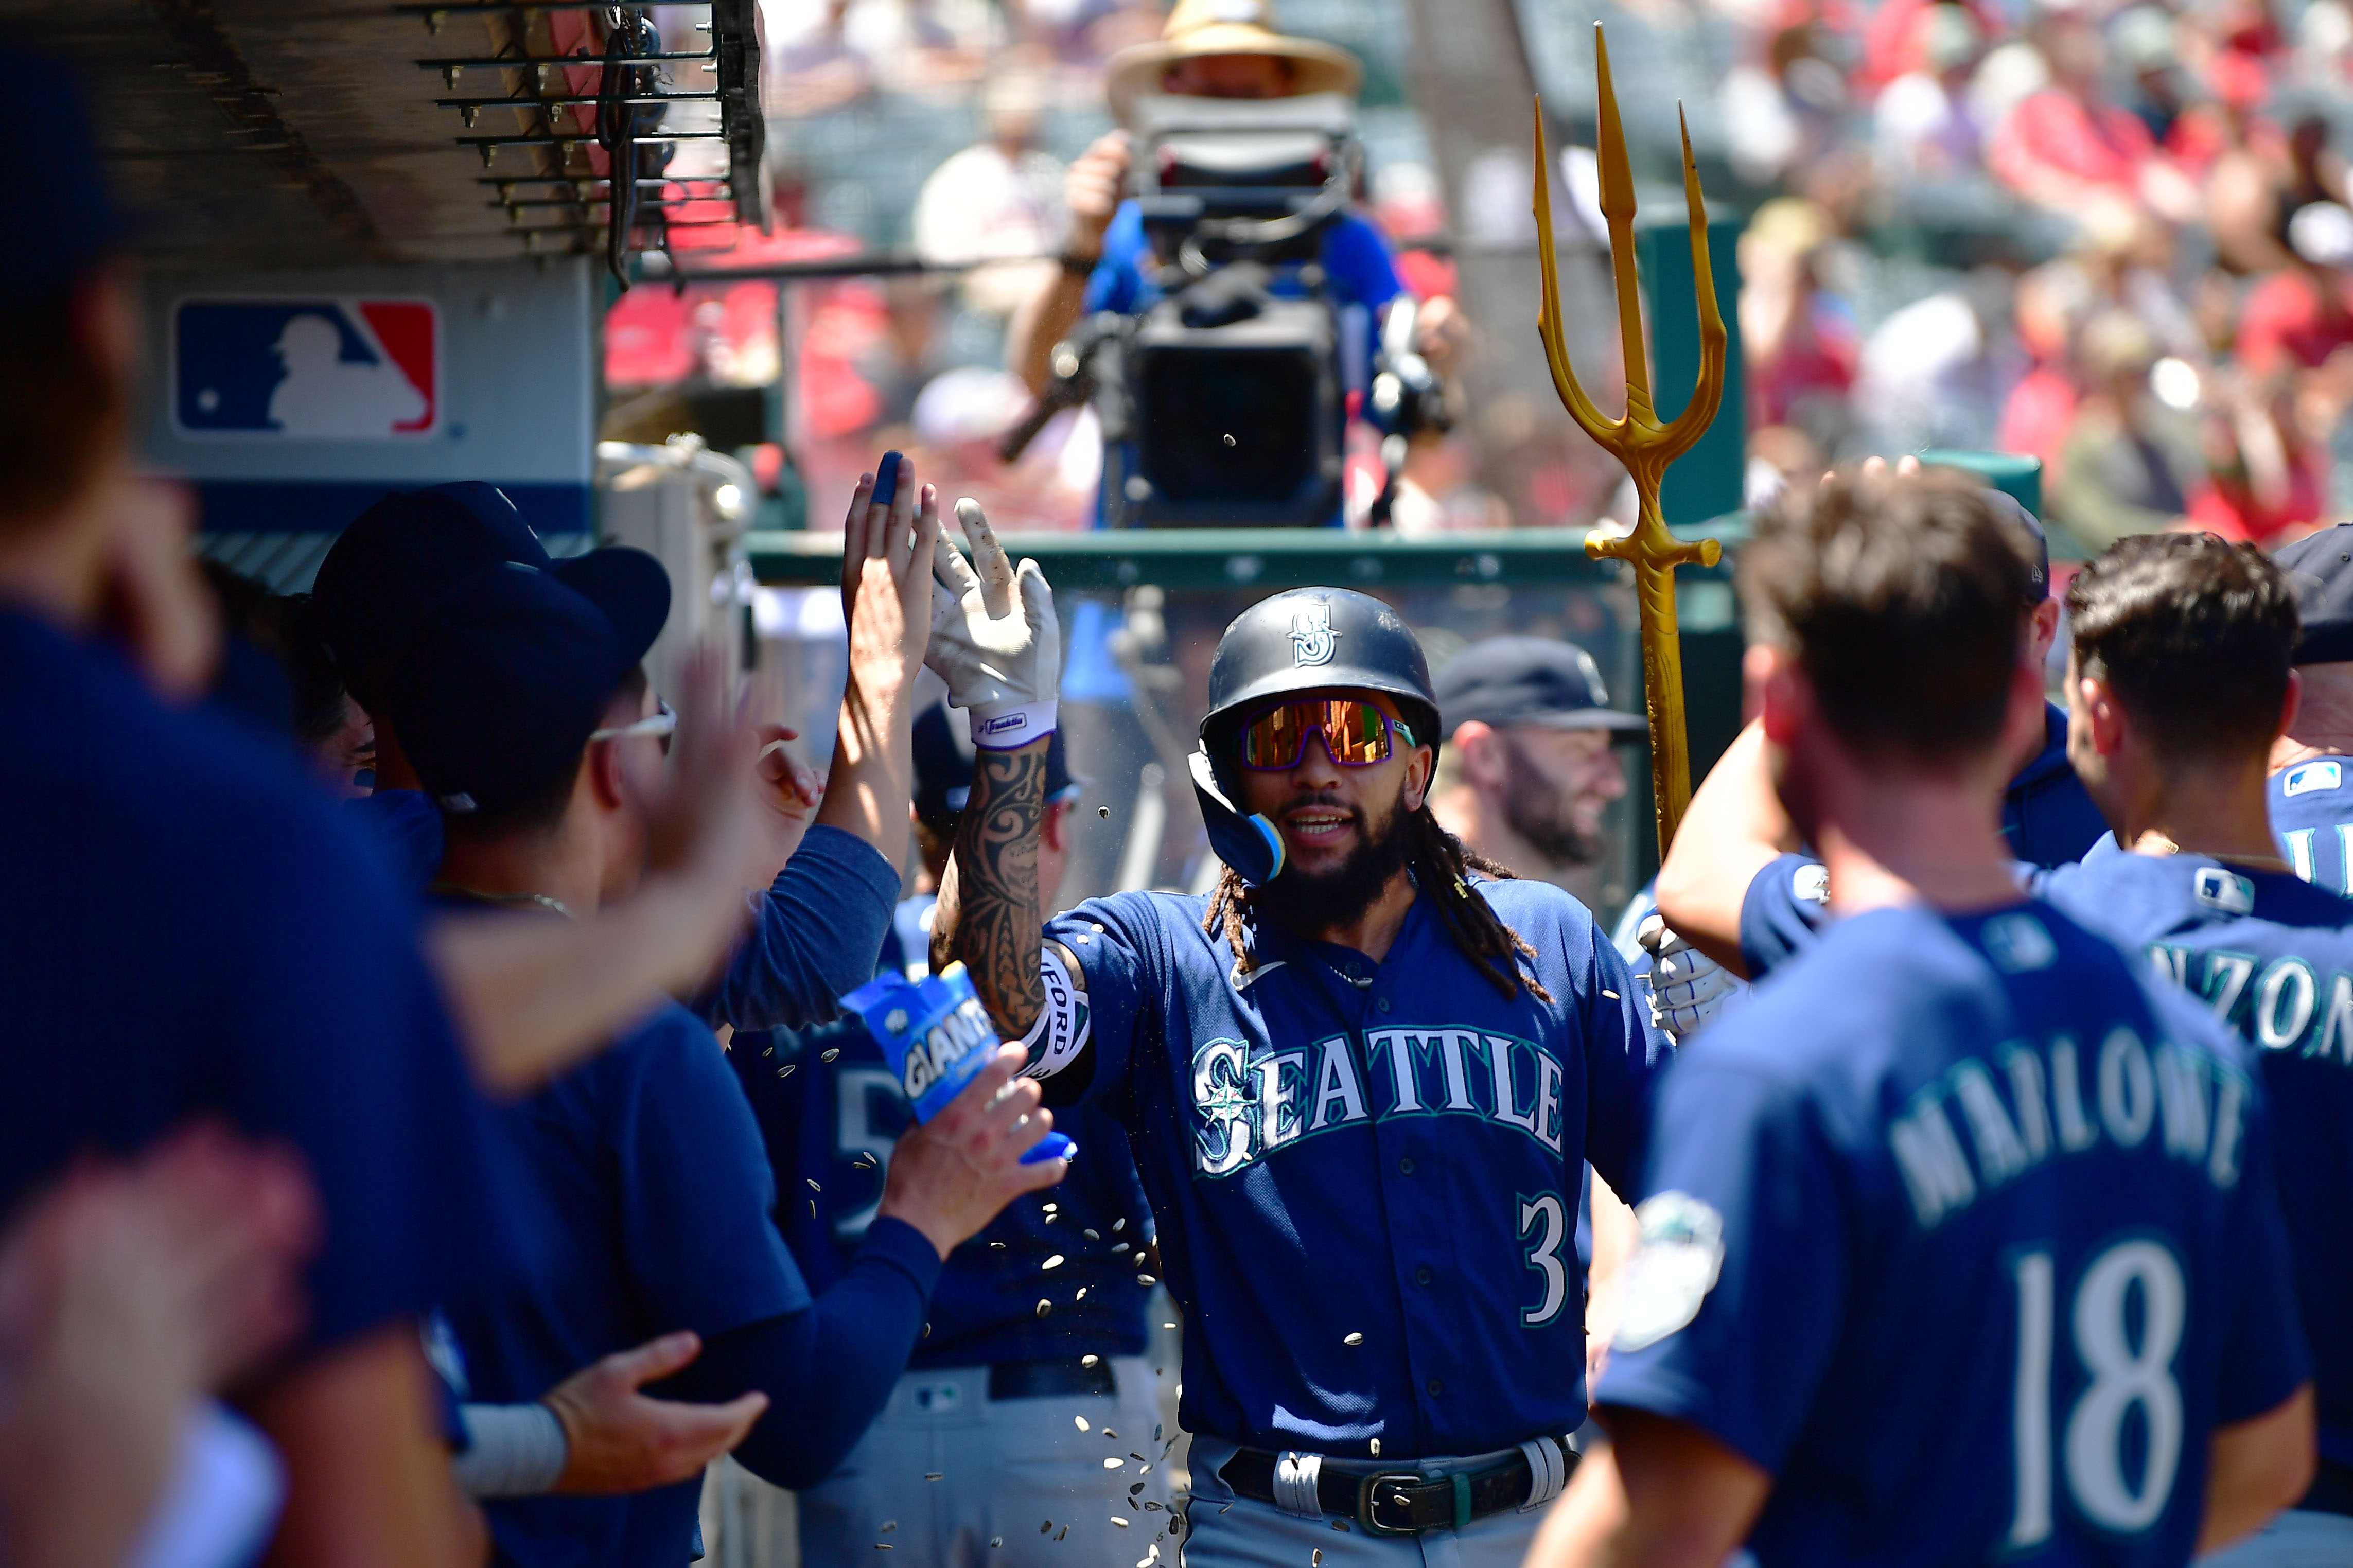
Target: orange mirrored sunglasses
[1356,733]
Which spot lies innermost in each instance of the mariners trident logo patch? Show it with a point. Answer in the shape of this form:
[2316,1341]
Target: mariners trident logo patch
[1312,633]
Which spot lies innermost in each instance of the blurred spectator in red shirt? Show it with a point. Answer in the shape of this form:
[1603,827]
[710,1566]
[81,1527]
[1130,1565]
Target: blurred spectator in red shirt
[2067,146]
[2051,303]
[1924,124]
[2304,312]
[2265,481]
[1800,345]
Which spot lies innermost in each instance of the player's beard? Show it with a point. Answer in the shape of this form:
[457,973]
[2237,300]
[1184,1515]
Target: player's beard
[1341,896]
[1543,814]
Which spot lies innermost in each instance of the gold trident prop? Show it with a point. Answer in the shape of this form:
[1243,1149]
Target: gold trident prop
[1638,441]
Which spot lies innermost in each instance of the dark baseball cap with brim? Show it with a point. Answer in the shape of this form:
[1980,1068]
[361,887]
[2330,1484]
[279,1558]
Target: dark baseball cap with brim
[503,681]
[1539,682]
[409,549]
[944,769]
[2320,568]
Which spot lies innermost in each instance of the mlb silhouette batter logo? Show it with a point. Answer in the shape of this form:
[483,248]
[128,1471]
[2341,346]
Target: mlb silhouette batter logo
[315,369]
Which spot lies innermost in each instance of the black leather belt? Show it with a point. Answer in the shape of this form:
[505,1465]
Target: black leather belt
[1057,1377]
[2331,1491]
[1402,1502]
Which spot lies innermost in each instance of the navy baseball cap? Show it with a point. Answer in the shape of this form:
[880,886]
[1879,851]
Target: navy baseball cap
[80,224]
[2038,582]
[501,682]
[409,549]
[2320,567]
[944,770]
[1542,681]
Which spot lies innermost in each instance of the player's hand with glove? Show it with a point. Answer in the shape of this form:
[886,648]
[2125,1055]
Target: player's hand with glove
[1686,986]
[995,639]
[951,1175]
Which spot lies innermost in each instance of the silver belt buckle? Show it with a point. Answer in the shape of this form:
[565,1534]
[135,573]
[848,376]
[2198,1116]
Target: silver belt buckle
[1370,1498]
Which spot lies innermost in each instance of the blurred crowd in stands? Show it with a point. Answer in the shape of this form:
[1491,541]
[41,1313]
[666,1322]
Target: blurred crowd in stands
[2114,237]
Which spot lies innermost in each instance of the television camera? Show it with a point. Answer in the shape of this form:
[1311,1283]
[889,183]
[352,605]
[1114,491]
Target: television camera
[1224,402]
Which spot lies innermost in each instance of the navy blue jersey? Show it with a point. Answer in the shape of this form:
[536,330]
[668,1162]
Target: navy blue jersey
[650,1194]
[1965,1233]
[2312,816]
[189,928]
[1783,912]
[2047,819]
[814,937]
[831,1114]
[407,825]
[1365,1175]
[2273,959]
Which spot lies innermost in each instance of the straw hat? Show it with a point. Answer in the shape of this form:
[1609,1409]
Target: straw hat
[1198,28]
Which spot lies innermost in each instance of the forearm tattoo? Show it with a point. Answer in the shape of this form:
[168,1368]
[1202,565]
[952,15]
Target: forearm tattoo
[996,918]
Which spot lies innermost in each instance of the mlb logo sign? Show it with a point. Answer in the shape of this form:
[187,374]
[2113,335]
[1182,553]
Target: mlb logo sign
[306,370]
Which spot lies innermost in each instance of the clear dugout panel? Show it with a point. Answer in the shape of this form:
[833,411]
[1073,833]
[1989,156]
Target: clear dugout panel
[1141,613]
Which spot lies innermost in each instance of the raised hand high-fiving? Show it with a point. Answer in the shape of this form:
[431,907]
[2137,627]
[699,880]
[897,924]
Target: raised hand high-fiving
[995,639]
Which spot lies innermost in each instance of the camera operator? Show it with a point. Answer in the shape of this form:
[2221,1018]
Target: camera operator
[1209,48]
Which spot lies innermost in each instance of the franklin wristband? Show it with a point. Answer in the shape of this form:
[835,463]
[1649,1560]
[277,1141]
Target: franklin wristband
[1013,726]
[512,1450]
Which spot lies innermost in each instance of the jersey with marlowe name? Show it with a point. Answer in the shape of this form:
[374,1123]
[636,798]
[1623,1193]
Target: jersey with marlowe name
[2312,816]
[2274,959]
[1964,1231]
[1365,1175]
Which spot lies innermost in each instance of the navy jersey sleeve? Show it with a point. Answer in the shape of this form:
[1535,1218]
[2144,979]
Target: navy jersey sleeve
[1117,281]
[1742,1240]
[1781,914]
[1622,1058]
[342,1046]
[2265,1354]
[819,929]
[696,1188]
[1089,1039]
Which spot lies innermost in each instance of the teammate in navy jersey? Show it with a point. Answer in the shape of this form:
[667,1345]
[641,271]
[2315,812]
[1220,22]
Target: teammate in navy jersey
[524,707]
[2312,761]
[1739,885]
[188,933]
[1958,1239]
[1004,1418]
[1360,1080]
[2178,683]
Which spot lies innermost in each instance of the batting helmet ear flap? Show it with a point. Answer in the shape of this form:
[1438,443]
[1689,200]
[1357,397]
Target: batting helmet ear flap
[1251,847]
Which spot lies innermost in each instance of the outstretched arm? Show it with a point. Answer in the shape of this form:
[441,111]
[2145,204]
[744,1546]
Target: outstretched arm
[1733,828]
[989,912]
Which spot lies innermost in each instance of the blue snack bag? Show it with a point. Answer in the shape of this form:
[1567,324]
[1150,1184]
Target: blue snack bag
[936,1037]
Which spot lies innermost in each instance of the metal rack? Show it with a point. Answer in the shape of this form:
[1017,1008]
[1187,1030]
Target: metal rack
[627,107]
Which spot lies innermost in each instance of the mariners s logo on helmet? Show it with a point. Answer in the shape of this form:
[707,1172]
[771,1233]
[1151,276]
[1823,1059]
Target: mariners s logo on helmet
[1312,633]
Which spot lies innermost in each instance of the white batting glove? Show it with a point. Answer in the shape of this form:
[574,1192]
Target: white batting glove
[995,639]
[1686,986]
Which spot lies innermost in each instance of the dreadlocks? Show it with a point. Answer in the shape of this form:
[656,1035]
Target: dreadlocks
[1440,863]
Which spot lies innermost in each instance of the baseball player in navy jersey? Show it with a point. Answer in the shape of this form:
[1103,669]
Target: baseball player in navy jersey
[2178,683]
[1004,1419]
[1958,1239]
[2311,787]
[1740,887]
[1360,1080]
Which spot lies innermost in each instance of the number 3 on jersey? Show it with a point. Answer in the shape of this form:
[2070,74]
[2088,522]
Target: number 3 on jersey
[2124,1377]
[1543,1223]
